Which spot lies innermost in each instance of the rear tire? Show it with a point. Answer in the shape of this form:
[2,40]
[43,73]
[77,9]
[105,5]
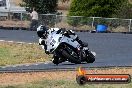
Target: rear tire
[90,58]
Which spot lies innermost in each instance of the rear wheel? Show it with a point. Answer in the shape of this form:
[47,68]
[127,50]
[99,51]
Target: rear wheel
[90,58]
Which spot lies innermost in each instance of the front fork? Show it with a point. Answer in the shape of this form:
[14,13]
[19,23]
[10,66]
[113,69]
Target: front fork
[83,53]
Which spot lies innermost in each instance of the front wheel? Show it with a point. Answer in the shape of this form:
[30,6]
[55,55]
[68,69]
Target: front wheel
[68,52]
[71,58]
[90,58]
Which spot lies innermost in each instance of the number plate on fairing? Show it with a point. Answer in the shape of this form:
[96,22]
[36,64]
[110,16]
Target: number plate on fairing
[52,42]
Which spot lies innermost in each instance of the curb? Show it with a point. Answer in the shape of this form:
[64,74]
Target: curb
[61,69]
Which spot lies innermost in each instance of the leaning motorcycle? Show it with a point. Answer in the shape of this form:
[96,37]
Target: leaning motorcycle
[67,49]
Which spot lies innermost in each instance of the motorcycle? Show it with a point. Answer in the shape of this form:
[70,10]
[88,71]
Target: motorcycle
[67,49]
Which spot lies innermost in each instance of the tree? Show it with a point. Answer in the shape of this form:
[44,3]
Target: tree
[95,8]
[125,11]
[42,6]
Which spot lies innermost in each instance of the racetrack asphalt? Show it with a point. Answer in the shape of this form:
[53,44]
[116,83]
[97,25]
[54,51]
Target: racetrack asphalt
[112,49]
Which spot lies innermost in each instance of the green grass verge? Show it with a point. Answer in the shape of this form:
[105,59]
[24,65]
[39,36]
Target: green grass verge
[66,84]
[13,53]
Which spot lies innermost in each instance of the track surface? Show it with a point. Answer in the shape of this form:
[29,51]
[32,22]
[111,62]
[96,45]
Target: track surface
[112,49]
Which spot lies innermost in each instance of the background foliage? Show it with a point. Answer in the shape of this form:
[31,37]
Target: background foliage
[125,11]
[42,6]
[98,8]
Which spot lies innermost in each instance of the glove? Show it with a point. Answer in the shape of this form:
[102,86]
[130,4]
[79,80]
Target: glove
[66,34]
[39,44]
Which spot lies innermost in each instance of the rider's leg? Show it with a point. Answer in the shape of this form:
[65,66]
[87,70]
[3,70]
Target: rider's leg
[74,36]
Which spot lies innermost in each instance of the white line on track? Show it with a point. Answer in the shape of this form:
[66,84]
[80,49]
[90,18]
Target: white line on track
[36,64]
[17,42]
[3,67]
[10,41]
[14,66]
[27,65]
[2,40]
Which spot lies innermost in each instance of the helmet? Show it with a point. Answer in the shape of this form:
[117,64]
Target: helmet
[42,31]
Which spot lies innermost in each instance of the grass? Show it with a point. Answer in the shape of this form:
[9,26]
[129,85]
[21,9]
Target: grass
[58,79]
[13,53]
[66,84]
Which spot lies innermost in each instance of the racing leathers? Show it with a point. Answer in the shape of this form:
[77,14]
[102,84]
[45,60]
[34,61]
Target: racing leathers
[42,42]
[71,34]
[67,33]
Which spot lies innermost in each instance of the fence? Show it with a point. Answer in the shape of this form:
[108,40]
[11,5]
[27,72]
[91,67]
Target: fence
[86,23]
[71,22]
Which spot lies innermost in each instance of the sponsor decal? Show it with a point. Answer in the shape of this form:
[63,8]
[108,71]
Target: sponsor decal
[82,78]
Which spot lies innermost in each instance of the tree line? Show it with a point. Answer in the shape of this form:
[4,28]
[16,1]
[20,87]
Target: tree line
[89,8]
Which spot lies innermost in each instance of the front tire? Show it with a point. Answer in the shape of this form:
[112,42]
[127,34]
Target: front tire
[71,58]
[90,58]
[68,52]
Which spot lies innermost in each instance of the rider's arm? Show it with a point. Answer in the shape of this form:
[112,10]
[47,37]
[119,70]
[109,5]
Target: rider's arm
[42,42]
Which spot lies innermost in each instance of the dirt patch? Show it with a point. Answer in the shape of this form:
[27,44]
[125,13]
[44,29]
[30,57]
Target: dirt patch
[22,78]
[10,23]
[120,29]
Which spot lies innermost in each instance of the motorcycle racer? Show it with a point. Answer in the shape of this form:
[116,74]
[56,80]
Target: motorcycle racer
[43,32]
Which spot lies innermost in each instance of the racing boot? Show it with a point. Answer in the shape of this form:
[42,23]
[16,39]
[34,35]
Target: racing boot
[55,60]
